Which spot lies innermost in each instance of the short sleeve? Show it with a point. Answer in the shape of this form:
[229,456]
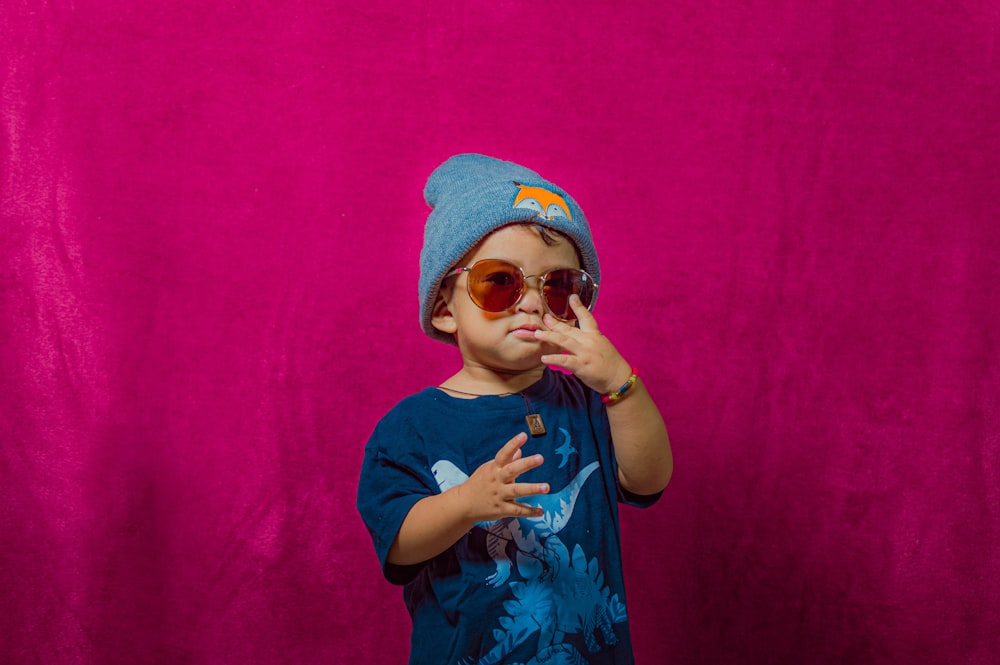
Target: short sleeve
[394,477]
[637,500]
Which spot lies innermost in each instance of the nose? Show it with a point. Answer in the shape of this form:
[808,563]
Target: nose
[532,301]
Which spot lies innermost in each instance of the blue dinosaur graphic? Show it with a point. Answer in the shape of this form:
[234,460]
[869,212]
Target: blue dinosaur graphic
[498,534]
[585,606]
[558,508]
[576,601]
[561,594]
[530,533]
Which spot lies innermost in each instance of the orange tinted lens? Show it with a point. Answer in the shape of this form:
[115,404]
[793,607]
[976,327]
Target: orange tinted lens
[495,285]
[560,284]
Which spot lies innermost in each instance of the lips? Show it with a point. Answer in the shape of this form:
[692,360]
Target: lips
[526,331]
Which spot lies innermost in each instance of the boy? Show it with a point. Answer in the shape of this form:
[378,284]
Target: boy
[493,496]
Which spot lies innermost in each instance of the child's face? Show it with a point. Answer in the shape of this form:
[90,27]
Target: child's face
[503,340]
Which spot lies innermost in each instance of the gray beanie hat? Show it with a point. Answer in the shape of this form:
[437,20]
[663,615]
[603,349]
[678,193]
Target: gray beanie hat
[473,195]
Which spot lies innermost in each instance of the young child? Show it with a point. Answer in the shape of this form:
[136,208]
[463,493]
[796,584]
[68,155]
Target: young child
[493,497]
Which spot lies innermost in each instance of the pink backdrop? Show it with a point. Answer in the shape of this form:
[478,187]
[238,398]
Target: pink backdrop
[211,216]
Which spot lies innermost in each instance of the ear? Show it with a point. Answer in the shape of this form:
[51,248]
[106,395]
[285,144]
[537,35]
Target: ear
[441,317]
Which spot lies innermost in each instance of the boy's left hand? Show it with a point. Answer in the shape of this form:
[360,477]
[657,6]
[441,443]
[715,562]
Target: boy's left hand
[588,354]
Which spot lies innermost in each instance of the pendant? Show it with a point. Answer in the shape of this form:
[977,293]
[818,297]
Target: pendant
[535,424]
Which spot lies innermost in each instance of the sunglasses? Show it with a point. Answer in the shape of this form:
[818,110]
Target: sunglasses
[496,285]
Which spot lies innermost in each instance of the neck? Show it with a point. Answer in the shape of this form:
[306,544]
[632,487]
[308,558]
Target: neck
[488,381]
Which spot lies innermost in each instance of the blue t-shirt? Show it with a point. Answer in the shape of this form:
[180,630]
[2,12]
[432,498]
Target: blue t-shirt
[514,590]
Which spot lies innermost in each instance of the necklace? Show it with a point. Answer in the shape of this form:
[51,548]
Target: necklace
[534,420]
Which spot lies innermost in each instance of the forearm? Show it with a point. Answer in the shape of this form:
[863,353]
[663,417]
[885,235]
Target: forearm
[434,524]
[642,446]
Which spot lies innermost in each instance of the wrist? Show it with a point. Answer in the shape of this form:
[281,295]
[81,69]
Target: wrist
[460,506]
[617,394]
[615,379]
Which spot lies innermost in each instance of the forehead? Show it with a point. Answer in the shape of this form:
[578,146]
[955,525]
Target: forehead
[524,245]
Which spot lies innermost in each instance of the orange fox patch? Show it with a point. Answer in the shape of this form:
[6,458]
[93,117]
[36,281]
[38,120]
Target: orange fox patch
[545,203]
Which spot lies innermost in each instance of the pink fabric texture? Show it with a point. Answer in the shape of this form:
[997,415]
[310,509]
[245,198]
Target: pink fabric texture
[210,219]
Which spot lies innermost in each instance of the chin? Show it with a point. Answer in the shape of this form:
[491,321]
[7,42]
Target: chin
[532,360]
[514,365]
[518,358]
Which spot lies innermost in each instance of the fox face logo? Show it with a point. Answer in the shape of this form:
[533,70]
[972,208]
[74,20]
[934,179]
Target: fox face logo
[545,203]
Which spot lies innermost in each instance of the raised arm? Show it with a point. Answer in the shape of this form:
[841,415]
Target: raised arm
[642,446]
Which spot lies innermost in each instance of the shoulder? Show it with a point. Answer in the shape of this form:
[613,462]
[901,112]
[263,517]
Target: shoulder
[404,427]
[406,412]
[410,404]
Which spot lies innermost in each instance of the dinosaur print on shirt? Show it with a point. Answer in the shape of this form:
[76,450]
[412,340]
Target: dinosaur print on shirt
[555,593]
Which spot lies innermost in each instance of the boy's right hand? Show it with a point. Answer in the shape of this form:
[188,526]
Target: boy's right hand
[491,491]
[436,522]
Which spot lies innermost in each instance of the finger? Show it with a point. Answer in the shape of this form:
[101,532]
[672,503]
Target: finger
[523,490]
[559,334]
[517,467]
[507,453]
[587,321]
[564,360]
[526,510]
[556,325]
[523,504]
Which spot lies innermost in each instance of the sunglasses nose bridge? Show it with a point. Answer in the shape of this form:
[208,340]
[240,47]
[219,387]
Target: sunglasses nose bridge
[538,282]
[532,298]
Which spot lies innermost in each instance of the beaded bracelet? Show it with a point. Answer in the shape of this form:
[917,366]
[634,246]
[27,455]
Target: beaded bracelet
[611,398]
